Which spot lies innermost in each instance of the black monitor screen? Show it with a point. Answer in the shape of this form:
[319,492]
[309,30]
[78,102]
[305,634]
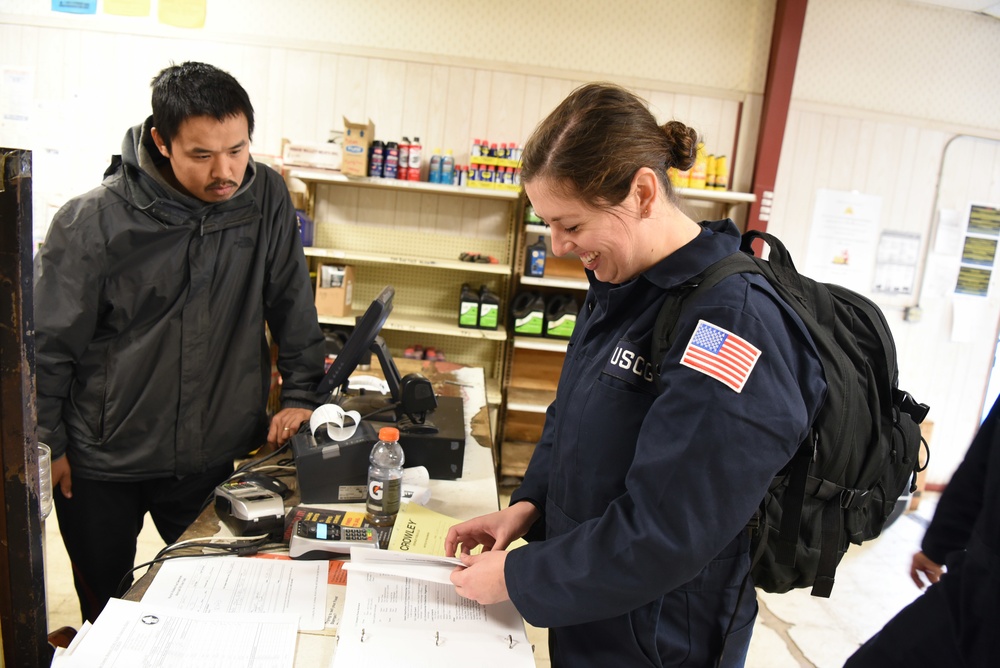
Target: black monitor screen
[358,343]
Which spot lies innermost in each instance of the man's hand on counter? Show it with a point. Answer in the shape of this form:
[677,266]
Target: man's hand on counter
[285,423]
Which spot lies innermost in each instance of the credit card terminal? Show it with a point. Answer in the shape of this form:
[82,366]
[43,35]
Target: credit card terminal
[319,540]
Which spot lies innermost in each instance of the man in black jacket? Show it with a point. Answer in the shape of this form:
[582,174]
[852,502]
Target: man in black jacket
[152,293]
[956,621]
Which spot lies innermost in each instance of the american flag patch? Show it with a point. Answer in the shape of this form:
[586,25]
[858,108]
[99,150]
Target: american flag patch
[721,355]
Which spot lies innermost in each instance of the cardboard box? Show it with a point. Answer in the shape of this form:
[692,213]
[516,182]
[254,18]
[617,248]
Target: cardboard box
[319,156]
[357,140]
[334,289]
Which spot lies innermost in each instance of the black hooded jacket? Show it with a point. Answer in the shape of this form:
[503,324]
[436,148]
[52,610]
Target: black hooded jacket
[150,312]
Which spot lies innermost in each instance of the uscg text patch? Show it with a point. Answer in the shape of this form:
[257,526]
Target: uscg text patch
[631,364]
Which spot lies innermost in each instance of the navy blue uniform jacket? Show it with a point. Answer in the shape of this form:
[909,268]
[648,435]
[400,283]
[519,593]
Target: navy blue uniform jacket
[644,496]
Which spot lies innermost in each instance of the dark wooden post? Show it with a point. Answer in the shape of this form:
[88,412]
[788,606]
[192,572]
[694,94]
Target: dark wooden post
[22,569]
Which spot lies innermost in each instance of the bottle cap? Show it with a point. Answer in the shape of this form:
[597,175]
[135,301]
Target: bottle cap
[388,434]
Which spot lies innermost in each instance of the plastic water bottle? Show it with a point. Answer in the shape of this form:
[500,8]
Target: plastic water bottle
[385,478]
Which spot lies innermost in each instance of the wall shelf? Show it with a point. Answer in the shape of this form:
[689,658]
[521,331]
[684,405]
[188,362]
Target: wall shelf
[322,176]
[420,324]
[430,263]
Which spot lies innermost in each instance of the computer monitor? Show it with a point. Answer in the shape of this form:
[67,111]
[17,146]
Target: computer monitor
[364,338]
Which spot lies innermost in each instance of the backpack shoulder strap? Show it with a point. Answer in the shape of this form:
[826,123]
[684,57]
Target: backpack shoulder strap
[670,312]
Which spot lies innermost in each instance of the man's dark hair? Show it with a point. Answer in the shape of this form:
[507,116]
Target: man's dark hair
[196,89]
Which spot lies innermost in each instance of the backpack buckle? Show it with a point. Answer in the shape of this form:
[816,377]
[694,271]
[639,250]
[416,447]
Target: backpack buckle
[910,406]
[853,498]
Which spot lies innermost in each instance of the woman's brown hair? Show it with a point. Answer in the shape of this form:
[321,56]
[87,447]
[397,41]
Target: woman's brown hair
[595,140]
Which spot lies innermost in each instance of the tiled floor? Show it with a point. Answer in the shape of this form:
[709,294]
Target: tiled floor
[63,605]
[794,630]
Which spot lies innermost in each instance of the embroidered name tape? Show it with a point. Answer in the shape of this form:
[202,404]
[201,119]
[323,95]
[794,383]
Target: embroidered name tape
[628,363]
[720,354]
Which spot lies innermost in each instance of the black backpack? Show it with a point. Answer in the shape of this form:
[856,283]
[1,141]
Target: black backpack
[862,451]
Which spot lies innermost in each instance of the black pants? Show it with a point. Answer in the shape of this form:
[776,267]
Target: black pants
[101,522]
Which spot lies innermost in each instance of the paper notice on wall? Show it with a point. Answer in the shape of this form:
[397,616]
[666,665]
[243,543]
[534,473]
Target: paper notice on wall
[75,6]
[842,238]
[979,251]
[896,262]
[18,87]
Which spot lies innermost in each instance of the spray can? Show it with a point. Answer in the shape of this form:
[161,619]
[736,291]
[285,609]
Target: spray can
[447,168]
[415,159]
[434,169]
[721,173]
[486,174]
[404,159]
[390,166]
[697,177]
[376,158]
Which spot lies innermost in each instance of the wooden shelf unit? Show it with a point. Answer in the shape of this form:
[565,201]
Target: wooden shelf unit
[410,234]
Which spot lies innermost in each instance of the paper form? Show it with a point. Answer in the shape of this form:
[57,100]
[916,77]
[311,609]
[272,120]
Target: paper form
[129,634]
[243,585]
[418,623]
[428,567]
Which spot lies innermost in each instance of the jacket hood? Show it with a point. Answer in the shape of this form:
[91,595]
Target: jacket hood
[136,176]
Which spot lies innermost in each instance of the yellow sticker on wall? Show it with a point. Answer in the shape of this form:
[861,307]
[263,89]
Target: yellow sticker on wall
[127,7]
[183,13]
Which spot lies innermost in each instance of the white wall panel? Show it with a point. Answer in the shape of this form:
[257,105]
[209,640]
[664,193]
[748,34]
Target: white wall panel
[881,86]
[901,164]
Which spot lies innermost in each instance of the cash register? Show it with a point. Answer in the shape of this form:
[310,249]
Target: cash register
[431,428]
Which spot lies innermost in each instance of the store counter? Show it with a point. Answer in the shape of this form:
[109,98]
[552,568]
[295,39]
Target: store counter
[473,494]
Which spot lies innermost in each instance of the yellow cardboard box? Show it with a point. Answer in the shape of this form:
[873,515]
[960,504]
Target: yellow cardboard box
[334,290]
[357,140]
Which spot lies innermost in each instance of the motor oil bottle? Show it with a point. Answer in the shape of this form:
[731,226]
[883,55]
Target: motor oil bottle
[560,316]
[535,258]
[489,309]
[468,307]
[527,313]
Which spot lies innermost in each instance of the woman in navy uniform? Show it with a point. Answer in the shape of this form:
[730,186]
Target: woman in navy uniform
[636,499]
[955,622]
